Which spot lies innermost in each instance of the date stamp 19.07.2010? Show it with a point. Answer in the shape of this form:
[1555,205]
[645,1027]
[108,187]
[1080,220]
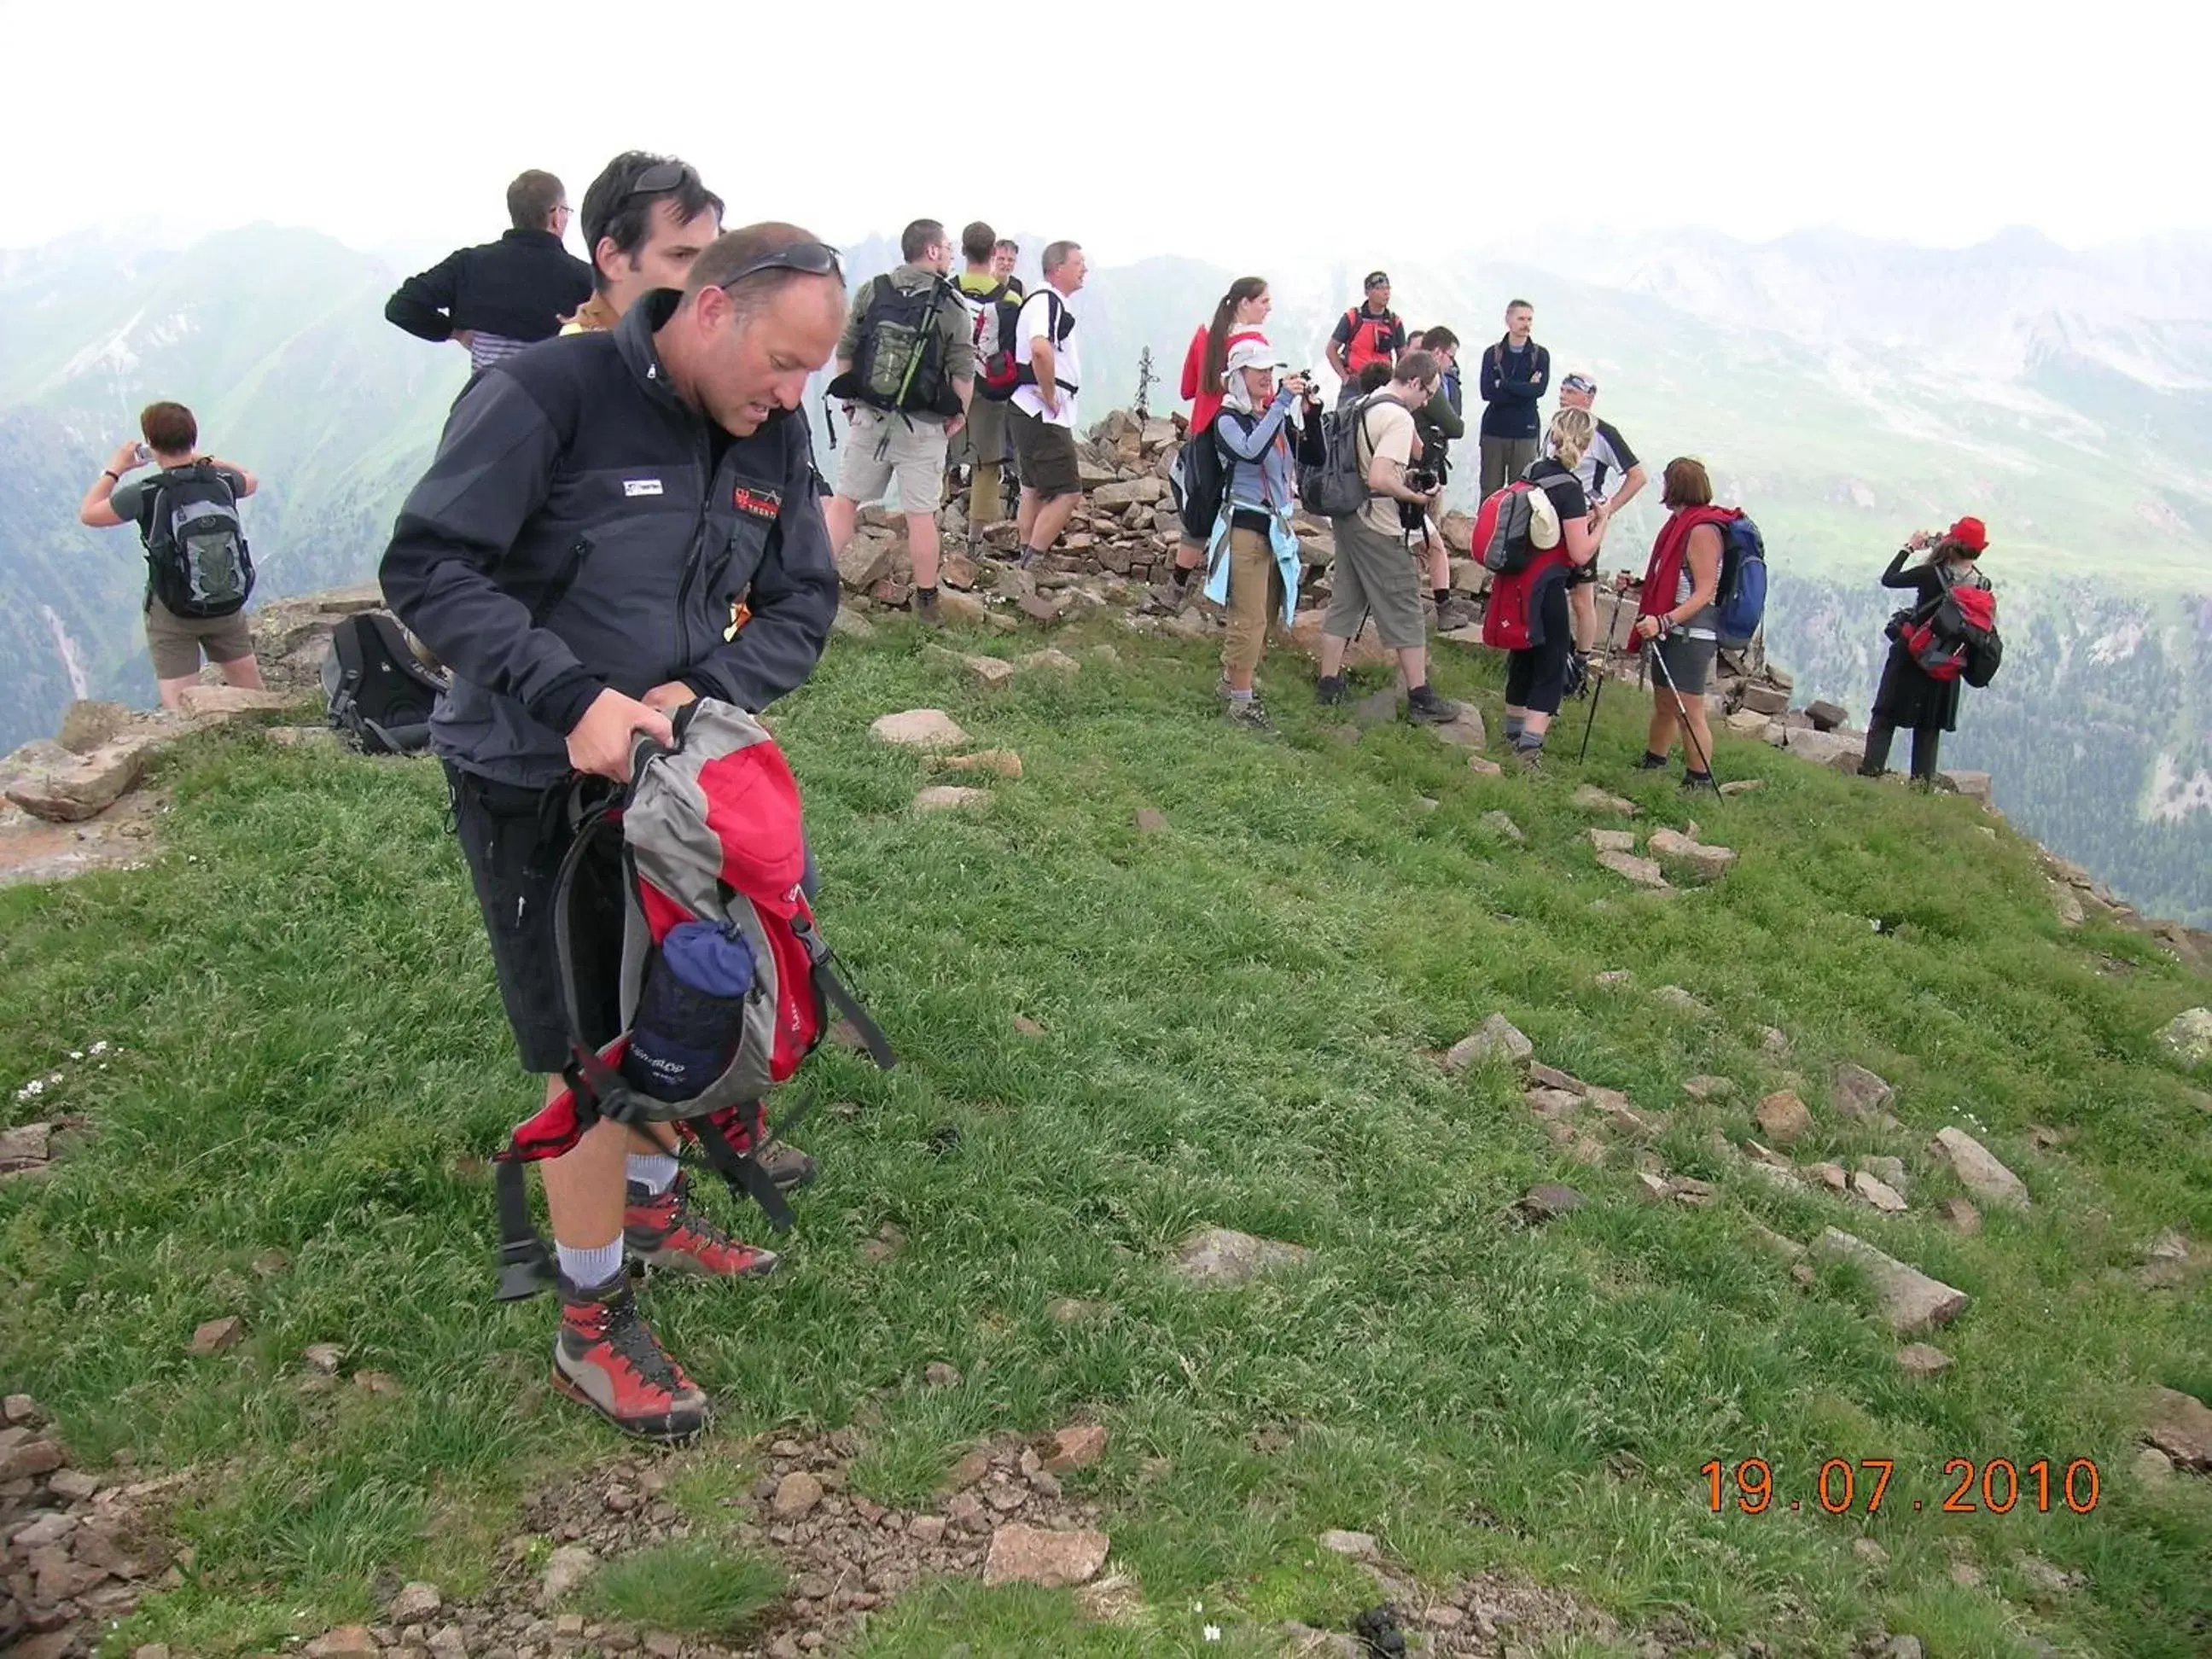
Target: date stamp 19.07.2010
[1844,1486]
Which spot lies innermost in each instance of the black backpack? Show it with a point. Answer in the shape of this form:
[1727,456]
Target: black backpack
[378,694]
[197,561]
[898,362]
[1336,487]
[1059,323]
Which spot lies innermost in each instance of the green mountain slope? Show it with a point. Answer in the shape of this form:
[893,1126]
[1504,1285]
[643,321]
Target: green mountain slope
[1845,393]
[1236,1021]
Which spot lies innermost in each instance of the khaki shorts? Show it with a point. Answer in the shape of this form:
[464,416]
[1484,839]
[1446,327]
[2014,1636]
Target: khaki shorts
[175,642]
[983,439]
[882,448]
[1375,574]
[1047,454]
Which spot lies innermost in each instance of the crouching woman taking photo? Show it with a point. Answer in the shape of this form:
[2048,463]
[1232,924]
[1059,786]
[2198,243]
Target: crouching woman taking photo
[1252,566]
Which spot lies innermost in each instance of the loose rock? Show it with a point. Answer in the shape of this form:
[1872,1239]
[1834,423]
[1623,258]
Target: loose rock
[1613,840]
[1645,872]
[1075,1448]
[919,728]
[1546,1202]
[217,1335]
[1592,798]
[1978,1171]
[1359,1546]
[796,1495]
[1911,1301]
[1857,1093]
[1501,823]
[1879,1194]
[949,797]
[1495,1039]
[416,1603]
[1920,1360]
[2189,1034]
[1221,1256]
[1783,1118]
[1053,1559]
[346,1641]
[1709,862]
[2180,1426]
[1958,1215]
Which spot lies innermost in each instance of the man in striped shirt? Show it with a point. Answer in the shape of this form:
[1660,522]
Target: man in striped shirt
[500,297]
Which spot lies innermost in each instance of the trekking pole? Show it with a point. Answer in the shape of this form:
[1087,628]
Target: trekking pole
[1596,696]
[1682,714]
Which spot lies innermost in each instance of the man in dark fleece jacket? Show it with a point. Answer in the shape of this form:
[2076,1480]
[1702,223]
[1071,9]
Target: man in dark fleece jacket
[501,296]
[1516,372]
[614,524]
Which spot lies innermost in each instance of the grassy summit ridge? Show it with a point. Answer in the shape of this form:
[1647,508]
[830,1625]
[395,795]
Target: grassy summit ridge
[1239,1016]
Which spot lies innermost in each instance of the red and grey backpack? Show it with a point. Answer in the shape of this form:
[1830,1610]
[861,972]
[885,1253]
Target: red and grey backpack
[711,850]
[1954,635]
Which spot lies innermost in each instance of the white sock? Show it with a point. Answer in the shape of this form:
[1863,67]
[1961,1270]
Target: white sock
[655,1172]
[589,1269]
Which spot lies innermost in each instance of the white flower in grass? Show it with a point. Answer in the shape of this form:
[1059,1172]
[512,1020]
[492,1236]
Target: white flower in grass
[1214,1632]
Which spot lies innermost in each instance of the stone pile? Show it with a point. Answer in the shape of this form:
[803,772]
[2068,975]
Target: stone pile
[77,1550]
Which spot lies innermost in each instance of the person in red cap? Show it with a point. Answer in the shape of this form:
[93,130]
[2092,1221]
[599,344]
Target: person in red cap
[1909,696]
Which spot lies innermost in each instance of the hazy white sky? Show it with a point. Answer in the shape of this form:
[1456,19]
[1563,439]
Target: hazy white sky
[399,122]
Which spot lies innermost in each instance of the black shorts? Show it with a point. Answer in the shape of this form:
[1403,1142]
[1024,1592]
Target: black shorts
[513,840]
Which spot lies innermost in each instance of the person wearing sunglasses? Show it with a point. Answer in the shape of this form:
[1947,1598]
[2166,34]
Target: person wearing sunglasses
[593,517]
[646,217]
[494,300]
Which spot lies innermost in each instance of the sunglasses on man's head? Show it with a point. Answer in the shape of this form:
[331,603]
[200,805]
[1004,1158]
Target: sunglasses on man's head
[660,177]
[808,258]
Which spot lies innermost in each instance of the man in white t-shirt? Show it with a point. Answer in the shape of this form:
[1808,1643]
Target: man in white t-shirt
[1610,476]
[1042,411]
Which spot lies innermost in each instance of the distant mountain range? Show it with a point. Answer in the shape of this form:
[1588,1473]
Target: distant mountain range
[1846,390]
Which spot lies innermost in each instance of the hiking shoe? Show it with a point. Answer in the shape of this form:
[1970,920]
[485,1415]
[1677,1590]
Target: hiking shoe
[605,1357]
[1529,758]
[1330,690]
[1454,615]
[664,1231]
[1429,709]
[786,1166]
[926,610]
[1251,714]
[1697,780]
[1651,762]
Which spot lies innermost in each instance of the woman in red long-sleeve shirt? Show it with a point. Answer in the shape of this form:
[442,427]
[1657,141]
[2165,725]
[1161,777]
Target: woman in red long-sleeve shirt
[1237,317]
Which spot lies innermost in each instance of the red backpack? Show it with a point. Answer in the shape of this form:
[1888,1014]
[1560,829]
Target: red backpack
[1954,636]
[712,855]
[1508,622]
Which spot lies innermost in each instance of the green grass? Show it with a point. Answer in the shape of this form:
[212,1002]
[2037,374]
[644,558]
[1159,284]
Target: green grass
[314,1065]
[698,1586]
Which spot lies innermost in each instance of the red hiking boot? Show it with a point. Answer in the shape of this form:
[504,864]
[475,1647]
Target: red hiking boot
[605,1357]
[666,1232]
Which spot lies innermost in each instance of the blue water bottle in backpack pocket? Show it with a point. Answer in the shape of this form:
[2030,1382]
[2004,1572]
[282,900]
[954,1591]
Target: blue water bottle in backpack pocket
[690,1011]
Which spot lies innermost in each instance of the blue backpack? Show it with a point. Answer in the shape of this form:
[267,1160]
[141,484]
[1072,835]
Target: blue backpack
[1740,603]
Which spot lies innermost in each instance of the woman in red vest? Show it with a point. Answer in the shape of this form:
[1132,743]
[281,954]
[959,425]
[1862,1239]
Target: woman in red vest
[1679,584]
[1236,318]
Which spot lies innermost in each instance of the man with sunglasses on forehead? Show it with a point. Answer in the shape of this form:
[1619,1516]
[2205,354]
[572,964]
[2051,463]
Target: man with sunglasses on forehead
[596,508]
[646,217]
